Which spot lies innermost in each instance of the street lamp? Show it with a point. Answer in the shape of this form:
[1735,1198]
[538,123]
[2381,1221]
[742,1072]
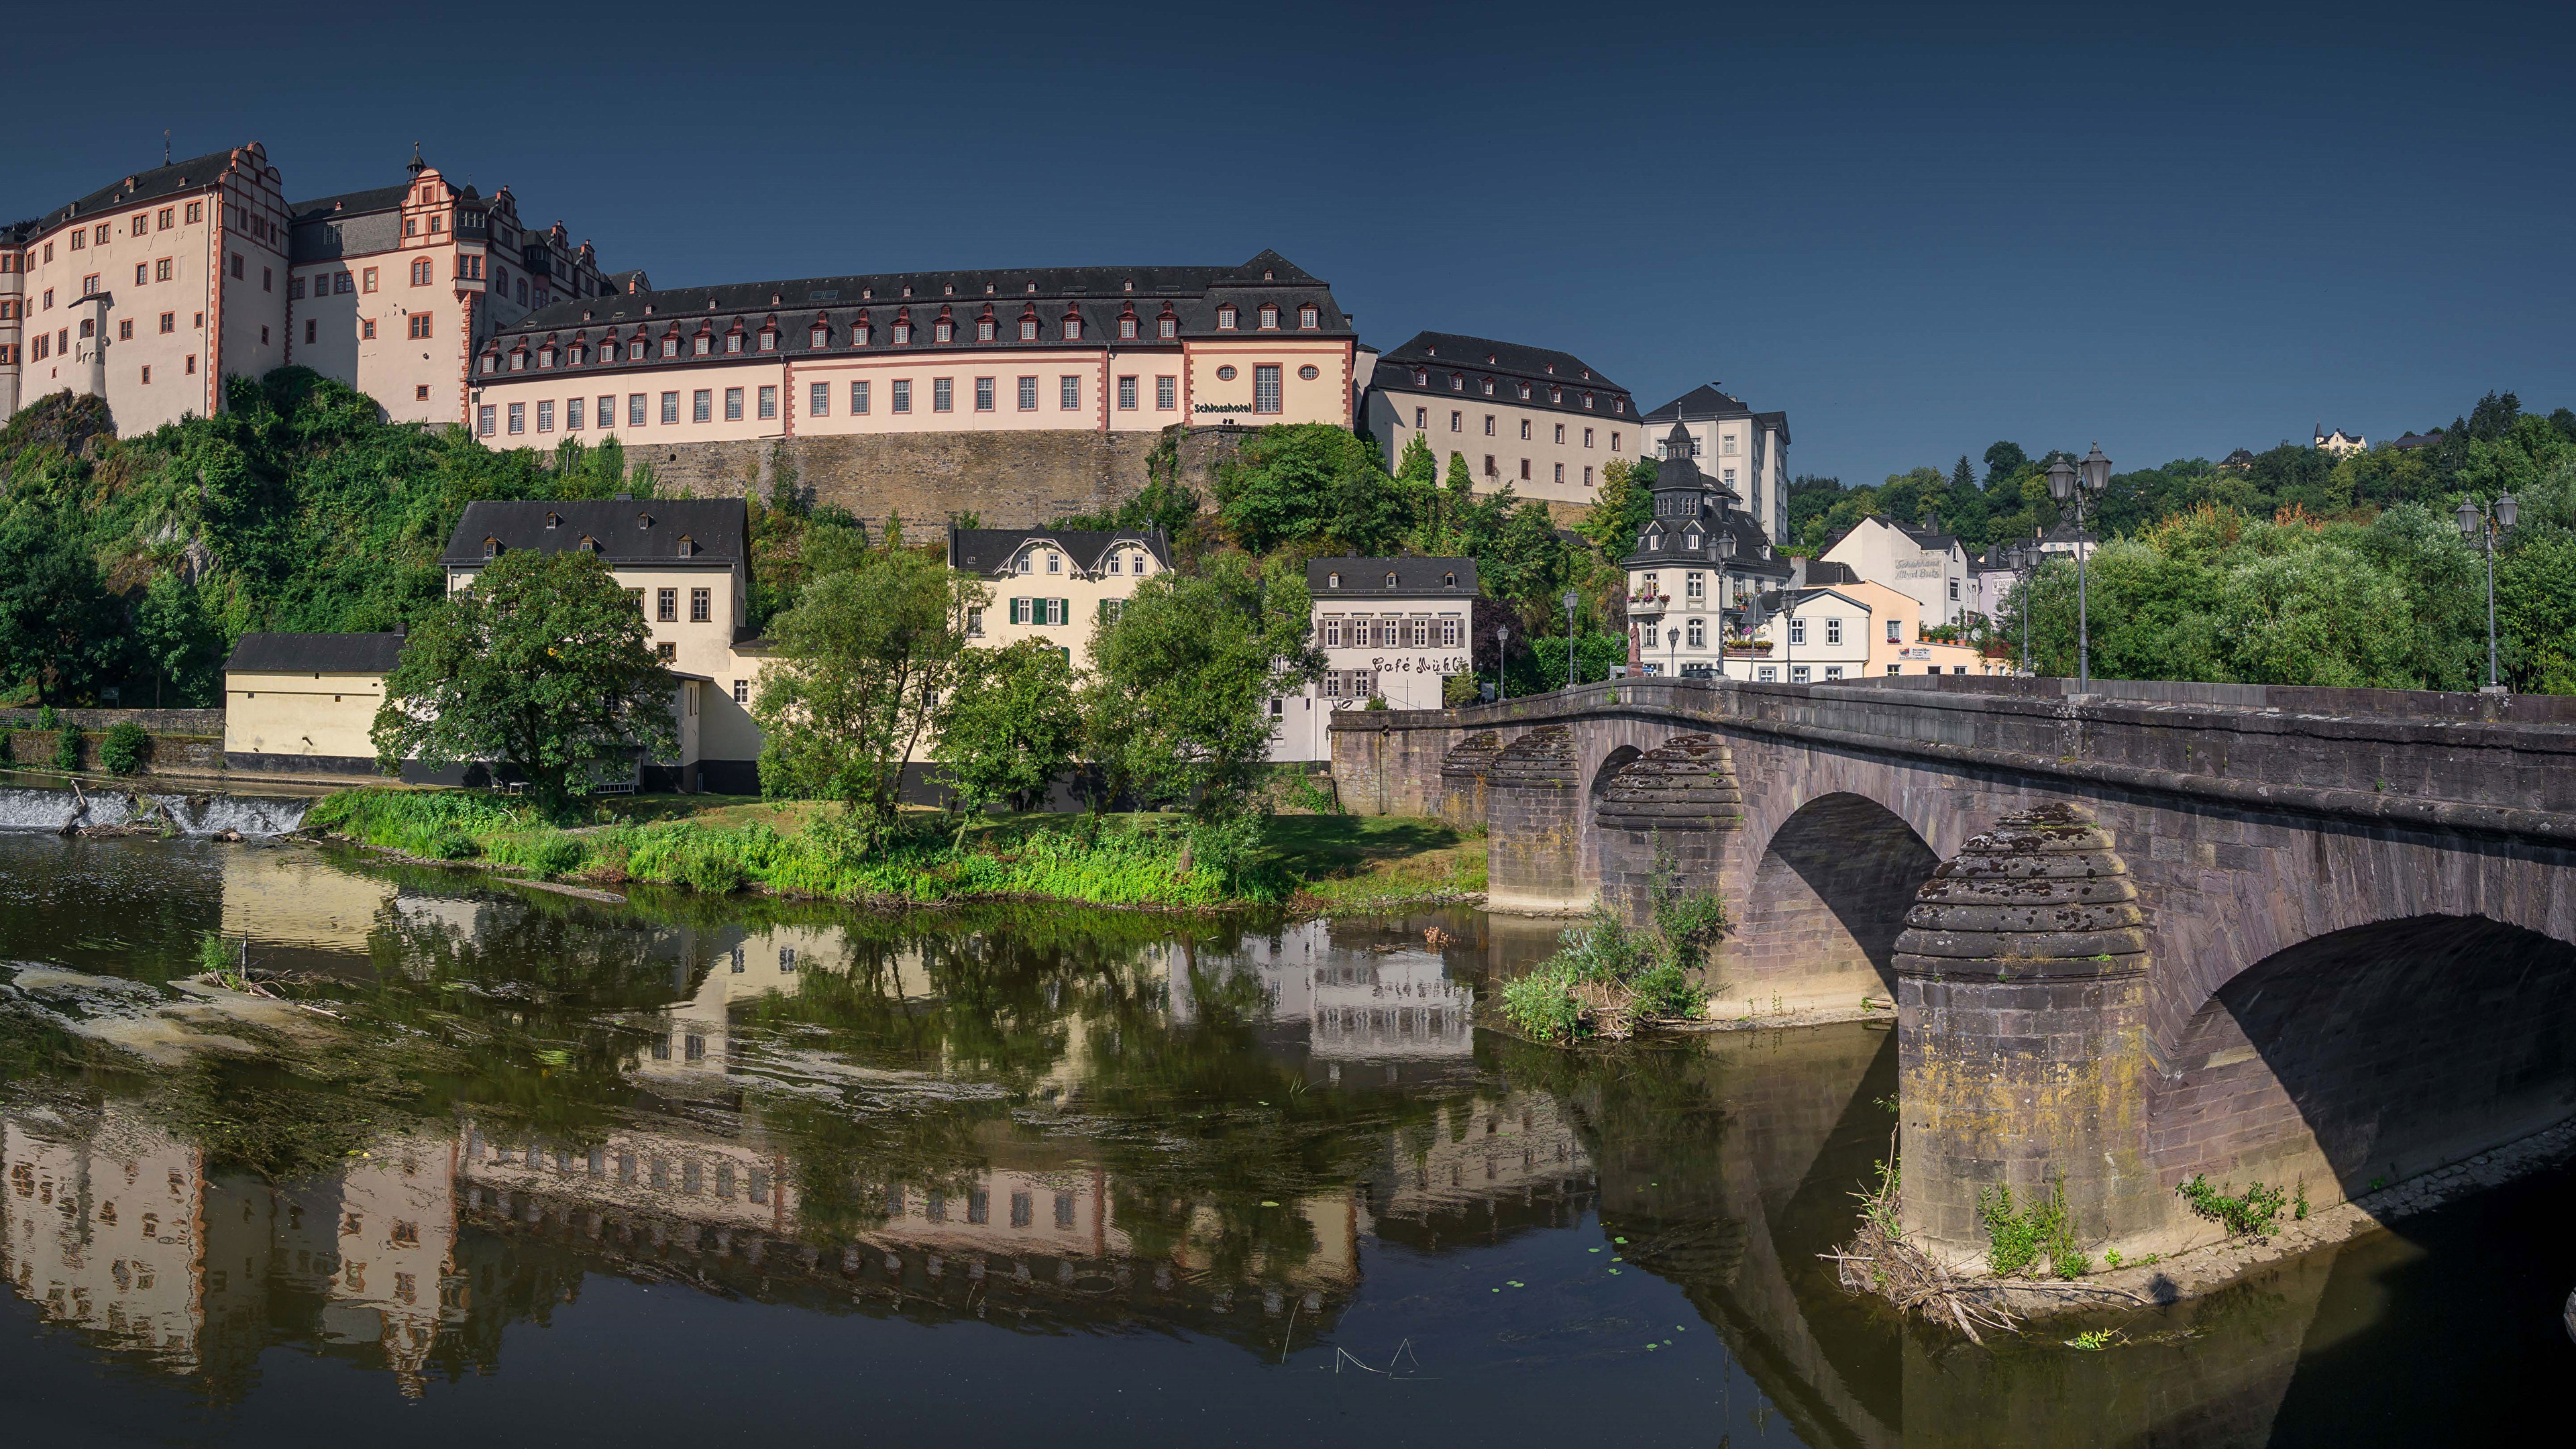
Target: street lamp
[1569,601]
[2480,523]
[1725,551]
[1502,641]
[2023,560]
[1672,646]
[2064,478]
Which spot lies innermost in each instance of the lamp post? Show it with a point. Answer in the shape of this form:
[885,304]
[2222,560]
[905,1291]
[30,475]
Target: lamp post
[1569,601]
[1672,646]
[2071,485]
[2481,523]
[1502,645]
[1725,551]
[2023,560]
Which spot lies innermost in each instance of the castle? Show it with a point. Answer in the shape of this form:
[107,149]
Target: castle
[1015,394]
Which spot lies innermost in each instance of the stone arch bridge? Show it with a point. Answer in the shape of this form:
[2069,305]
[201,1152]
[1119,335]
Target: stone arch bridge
[2295,936]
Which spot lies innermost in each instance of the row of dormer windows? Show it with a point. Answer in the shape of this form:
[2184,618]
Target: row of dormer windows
[1527,391]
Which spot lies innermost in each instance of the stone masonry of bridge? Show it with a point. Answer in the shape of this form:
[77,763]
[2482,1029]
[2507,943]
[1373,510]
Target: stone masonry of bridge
[2318,937]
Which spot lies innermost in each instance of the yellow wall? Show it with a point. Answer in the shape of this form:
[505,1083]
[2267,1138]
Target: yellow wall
[301,714]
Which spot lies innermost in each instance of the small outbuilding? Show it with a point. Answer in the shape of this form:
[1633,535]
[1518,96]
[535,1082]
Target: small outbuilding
[303,703]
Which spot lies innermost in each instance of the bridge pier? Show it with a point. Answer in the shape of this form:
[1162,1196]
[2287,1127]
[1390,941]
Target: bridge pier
[1534,805]
[2021,1013]
[1675,806]
[1462,778]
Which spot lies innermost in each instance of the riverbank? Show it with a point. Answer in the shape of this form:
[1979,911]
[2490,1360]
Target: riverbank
[1315,864]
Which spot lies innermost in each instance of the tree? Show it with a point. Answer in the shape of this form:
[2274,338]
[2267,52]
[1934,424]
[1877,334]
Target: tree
[2003,462]
[543,664]
[58,626]
[1621,508]
[860,663]
[1010,725]
[1177,711]
[1296,482]
[176,642]
[1963,479]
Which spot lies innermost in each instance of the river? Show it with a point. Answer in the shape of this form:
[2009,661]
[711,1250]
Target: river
[687,1169]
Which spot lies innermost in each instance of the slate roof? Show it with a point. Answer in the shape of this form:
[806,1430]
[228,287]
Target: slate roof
[1442,355]
[714,526]
[354,203]
[2411,441]
[990,550]
[1821,574]
[315,654]
[194,174]
[1099,295]
[1365,578]
[1707,402]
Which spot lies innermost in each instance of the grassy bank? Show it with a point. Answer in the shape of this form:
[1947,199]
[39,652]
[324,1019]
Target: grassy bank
[799,848]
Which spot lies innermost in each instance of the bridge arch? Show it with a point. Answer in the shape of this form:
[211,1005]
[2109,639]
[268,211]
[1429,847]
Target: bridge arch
[2370,1055]
[1821,907]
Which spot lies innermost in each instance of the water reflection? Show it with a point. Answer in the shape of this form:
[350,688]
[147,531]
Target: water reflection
[1232,1158]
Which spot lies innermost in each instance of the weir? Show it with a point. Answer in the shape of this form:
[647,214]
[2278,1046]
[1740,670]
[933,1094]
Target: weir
[40,808]
[2132,936]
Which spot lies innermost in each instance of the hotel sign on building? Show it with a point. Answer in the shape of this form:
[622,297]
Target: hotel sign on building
[1062,349]
[1390,628]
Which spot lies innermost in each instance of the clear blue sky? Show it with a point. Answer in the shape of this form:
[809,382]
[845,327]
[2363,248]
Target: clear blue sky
[1917,228]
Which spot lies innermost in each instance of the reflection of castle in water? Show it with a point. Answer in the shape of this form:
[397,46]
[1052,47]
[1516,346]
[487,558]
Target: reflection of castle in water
[1358,1005]
[113,1226]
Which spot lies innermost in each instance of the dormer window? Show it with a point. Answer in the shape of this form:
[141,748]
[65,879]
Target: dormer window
[1309,318]
[491,549]
[554,520]
[1225,318]
[687,546]
[1525,392]
[821,337]
[701,345]
[1619,405]
[733,340]
[1269,317]
[1167,326]
[1072,327]
[1489,387]
[588,544]
[1029,325]
[1448,581]
[769,339]
[518,362]
[986,329]
[635,349]
[670,346]
[643,520]
[859,334]
[578,355]
[1332,581]
[491,364]
[1421,378]
[545,357]
[903,332]
[1457,382]
[1556,395]
[943,330]
[1587,402]
[1390,580]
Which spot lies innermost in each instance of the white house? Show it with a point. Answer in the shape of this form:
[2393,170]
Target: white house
[1921,561]
[1390,628]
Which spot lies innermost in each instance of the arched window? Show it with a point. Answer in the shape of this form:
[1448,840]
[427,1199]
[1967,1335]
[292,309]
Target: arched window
[1390,579]
[1448,581]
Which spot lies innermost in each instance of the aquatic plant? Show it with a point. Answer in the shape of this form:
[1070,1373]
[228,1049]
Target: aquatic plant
[1607,979]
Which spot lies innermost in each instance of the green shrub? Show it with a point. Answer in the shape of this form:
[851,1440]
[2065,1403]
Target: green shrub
[2016,1241]
[1542,1004]
[2254,1214]
[67,742]
[125,747]
[47,720]
[7,754]
[1605,978]
[449,843]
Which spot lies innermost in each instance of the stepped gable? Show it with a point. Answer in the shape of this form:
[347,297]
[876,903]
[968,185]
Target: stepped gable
[1471,757]
[2042,894]
[1543,757]
[1687,783]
